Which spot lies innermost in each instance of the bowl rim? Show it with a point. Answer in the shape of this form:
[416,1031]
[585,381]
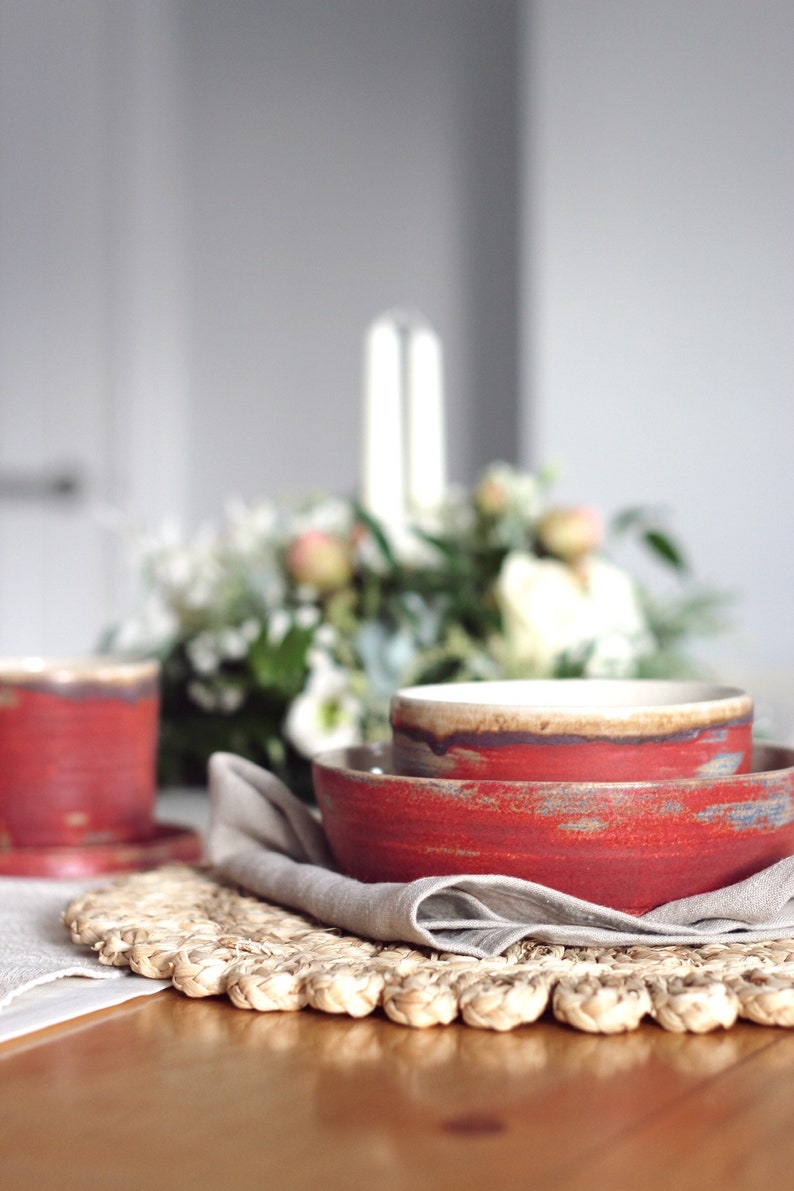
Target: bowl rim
[580,706]
[102,668]
[776,761]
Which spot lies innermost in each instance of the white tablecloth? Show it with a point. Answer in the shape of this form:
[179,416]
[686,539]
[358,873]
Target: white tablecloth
[44,978]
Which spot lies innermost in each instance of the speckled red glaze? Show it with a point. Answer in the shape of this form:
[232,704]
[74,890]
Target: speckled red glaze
[628,845]
[572,730]
[78,744]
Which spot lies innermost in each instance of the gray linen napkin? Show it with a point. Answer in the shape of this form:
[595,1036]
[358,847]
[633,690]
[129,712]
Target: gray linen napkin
[266,840]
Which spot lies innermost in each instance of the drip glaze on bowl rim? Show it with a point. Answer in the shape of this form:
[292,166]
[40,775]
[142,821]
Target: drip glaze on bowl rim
[375,760]
[579,729]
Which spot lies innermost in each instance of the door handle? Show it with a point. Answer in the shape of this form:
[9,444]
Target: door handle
[60,484]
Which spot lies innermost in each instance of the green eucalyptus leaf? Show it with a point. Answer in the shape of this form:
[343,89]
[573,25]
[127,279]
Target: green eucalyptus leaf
[381,541]
[281,667]
[630,519]
[665,548]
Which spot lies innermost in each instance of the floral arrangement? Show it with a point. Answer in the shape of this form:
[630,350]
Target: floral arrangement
[285,630]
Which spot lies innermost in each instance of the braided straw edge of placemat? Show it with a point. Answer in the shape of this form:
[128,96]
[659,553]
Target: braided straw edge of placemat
[211,939]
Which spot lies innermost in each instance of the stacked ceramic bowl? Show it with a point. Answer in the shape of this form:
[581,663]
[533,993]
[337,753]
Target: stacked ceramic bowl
[629,794]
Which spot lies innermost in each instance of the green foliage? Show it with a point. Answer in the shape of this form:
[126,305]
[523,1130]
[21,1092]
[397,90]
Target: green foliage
[278,666]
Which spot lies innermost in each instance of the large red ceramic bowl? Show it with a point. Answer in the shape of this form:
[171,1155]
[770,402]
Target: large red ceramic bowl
[572,730]
[628,845]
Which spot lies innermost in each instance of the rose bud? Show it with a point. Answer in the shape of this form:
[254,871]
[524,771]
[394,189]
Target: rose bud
[491,496]
[319,560]
[570,533]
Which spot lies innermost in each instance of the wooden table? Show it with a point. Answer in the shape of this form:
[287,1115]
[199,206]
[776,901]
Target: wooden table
[166,1092]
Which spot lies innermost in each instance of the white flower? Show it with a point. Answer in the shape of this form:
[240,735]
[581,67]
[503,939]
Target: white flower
[250,629]
[325,637]
[231,699]
[208,650]
[185,574]
[616,605]
[203,653]
[540,601]
[307,616]
[252,529]
[220,697]
[506,491]
[411,550]
[612,656]
[232,644]
[457,515]
[408,547]
[201,695]
[328,514]
[550,610]
[279,624]
[319,655]
[326,715]
[151,630]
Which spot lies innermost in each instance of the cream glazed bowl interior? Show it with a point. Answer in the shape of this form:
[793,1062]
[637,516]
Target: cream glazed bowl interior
[572,729]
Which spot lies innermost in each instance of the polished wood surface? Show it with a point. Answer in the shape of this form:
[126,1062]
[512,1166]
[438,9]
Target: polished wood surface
[165,1092]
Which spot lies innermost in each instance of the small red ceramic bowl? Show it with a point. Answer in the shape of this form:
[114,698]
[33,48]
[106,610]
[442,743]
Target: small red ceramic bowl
[78,742]
[629,845]
[572,730]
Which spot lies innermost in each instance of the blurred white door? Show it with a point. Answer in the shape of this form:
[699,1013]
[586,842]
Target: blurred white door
[56,562]
[91,376]
[53,344]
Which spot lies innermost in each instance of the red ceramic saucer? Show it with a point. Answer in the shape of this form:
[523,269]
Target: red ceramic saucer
[166,843]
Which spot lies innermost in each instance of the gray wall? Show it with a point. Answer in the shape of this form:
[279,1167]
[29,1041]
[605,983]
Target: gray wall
[343,158]
[610,258]
[203,203]
[658,353]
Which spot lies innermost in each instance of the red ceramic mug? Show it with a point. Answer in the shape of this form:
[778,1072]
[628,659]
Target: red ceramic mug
[78,744]
[572,730]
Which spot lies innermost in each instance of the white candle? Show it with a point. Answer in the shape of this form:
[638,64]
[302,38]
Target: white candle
[427,470]
[382,485]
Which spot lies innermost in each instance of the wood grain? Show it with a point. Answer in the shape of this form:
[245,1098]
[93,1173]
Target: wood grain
[172,1093]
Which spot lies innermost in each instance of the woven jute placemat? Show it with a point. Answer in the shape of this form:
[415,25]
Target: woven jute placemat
[211,939]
